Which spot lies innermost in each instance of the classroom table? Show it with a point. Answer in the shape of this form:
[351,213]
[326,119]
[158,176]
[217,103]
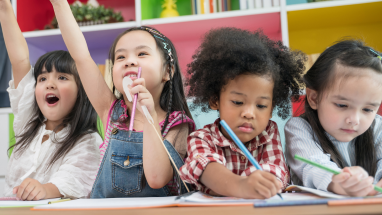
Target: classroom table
[224,210]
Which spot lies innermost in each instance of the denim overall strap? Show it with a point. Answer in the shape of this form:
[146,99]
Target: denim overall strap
[178,162]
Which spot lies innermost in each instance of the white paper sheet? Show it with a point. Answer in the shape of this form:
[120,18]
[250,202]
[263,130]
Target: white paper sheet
[25,203]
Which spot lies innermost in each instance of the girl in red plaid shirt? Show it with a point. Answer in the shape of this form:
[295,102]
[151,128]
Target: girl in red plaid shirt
[244,75]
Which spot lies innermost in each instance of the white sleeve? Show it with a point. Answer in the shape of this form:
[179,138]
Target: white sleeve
[299,140]
[378,146]
[22,99]
[76,175]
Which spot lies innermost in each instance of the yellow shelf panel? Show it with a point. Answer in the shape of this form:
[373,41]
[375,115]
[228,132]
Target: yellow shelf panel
[315,29]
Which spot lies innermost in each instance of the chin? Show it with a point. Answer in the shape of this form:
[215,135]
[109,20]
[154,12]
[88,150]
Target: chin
[345,138]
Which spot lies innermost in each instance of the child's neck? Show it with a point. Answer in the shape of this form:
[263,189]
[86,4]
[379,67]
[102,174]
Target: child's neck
[51,125]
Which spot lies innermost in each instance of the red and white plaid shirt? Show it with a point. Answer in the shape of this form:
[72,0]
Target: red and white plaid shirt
[210,145]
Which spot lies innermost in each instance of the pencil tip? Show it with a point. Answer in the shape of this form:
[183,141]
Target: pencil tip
[130,133]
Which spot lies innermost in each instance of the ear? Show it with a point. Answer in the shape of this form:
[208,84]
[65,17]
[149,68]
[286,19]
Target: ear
[166,76]
[312,98]
[214,105]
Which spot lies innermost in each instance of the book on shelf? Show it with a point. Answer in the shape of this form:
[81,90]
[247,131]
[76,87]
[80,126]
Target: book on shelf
[251,4]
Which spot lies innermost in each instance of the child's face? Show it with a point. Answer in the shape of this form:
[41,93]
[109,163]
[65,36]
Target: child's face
[348,109]
[246,105]
[56,94]
[138,49]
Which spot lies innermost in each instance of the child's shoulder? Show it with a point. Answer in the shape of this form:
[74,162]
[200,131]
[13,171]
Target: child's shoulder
[297,123]
[208,131]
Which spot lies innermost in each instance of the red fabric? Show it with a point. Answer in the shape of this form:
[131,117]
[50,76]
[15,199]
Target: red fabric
[210,145]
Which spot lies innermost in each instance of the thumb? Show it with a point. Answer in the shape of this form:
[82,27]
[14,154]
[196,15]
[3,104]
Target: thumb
[341,177]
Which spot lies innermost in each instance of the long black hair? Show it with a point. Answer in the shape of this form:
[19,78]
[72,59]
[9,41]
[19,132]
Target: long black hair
[172,97]
[350,53]
[226,53]
[82,118]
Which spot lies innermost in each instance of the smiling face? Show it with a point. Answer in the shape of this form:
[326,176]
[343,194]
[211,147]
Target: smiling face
[139,49]
[56,94]
[347,109]
[245,103]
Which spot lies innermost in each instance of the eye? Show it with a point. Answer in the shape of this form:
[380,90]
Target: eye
[142,54]
[62,78]
[341,105]
[120,57]
[237,102]
[42,79]
[261,106]
[368,110]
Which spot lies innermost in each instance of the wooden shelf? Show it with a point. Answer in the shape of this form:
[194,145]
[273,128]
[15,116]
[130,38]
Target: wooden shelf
[316,26]
[324,4]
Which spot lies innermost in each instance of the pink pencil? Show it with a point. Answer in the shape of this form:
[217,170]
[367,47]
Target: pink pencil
[134,105]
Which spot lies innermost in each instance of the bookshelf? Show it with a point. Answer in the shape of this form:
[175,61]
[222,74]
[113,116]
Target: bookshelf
[309,27]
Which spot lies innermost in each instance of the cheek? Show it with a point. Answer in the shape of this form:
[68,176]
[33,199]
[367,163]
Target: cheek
[39,93]
[69,93]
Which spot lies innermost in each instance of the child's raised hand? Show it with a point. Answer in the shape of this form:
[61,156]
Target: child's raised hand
[144,97]
[352,181]
[30,189]
[260,185]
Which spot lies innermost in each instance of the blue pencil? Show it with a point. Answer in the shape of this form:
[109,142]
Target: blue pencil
[242,147]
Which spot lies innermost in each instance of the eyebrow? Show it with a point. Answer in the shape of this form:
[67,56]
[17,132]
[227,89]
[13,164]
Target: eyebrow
[242,94]
[136,48]
[345,99]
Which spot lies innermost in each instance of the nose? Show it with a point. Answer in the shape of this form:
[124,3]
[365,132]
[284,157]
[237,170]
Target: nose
[50,84]
[353,118]
[248,112]
[131,61]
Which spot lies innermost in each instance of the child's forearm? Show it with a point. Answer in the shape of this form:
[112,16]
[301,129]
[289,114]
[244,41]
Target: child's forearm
[71,33]
[14,41]
[95,86]
[222,181]
[156,163]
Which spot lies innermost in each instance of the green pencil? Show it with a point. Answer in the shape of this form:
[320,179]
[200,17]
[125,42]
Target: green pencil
[336,172]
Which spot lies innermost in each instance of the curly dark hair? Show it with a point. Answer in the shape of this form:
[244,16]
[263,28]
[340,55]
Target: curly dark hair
[228,52]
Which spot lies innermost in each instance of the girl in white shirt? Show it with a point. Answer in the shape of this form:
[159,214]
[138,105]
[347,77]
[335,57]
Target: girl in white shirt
[56,152]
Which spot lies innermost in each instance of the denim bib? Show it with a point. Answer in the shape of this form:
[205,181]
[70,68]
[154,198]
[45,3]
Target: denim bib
[121,172]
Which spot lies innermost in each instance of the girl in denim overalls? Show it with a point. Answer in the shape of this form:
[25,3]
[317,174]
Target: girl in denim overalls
[135,166]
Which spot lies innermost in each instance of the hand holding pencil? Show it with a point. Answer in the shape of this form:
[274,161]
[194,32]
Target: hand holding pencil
[351,181]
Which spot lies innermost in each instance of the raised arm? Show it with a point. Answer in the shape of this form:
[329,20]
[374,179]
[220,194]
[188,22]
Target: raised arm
[15,42]
[95,86]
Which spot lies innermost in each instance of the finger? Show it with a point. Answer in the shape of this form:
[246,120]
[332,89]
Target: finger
[270,186]
[363,192]
[15,189]
[27,191]
[139,81]
[38,196]
[272,178]
[340,178]
[362,185]
[138,89]
[21,188]
[32,194]
[352,181]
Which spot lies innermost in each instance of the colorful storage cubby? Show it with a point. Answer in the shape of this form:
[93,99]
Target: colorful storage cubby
[309,27]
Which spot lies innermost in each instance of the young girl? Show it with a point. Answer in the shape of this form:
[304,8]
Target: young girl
[56,151]
[129,162]
[340,128]
[244,75]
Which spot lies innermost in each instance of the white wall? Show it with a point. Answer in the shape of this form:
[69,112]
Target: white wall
[4,143]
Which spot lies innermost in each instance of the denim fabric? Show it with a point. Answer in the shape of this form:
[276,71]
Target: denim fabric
[114,179]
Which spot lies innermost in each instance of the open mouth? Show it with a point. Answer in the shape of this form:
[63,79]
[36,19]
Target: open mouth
[51,99]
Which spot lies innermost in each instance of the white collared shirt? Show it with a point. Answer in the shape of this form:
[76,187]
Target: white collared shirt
[72,174]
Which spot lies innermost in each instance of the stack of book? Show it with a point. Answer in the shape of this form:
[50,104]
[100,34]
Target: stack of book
[251,4]
[210,6]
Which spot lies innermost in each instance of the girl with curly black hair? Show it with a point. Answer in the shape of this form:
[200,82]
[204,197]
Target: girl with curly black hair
[245,76]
